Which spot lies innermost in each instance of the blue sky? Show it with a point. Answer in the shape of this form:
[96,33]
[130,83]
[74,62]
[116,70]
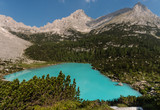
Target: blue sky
[39,12]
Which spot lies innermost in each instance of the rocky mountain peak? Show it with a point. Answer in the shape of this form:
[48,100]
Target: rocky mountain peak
[138,15]
[143,16]
[104,19]
[79,21]
[11,25]
[76,21]
[140,7]
[79,14]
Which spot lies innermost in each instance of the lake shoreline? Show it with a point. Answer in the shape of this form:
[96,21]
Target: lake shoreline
[85,78]
[46,64]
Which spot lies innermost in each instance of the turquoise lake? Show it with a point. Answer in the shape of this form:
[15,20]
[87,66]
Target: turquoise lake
[93,85]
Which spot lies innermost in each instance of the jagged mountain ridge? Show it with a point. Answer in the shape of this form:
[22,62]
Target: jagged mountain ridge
[76,21]
[79,21]
[139,15]
[11,25]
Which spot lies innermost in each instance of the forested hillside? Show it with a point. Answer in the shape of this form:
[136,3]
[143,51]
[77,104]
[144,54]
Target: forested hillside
[123,55]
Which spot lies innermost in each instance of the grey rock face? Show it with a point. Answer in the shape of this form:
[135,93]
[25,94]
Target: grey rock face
[104,19]
[79,21]
[11,47]
[12,25]
[76,21]
[138,15]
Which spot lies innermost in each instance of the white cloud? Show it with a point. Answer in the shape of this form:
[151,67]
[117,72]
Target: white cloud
[88,1]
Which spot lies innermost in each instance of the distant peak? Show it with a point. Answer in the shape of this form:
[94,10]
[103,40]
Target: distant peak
[77,12]
[139,3]
[139,6]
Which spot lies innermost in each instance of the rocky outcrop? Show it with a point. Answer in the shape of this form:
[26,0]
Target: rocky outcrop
[120,84]
[126,108]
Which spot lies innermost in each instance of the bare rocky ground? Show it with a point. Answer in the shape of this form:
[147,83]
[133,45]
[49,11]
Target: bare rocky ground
[11,52]
[11,47]
[126,108]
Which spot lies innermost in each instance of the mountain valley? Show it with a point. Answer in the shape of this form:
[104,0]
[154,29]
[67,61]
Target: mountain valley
[124,45]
